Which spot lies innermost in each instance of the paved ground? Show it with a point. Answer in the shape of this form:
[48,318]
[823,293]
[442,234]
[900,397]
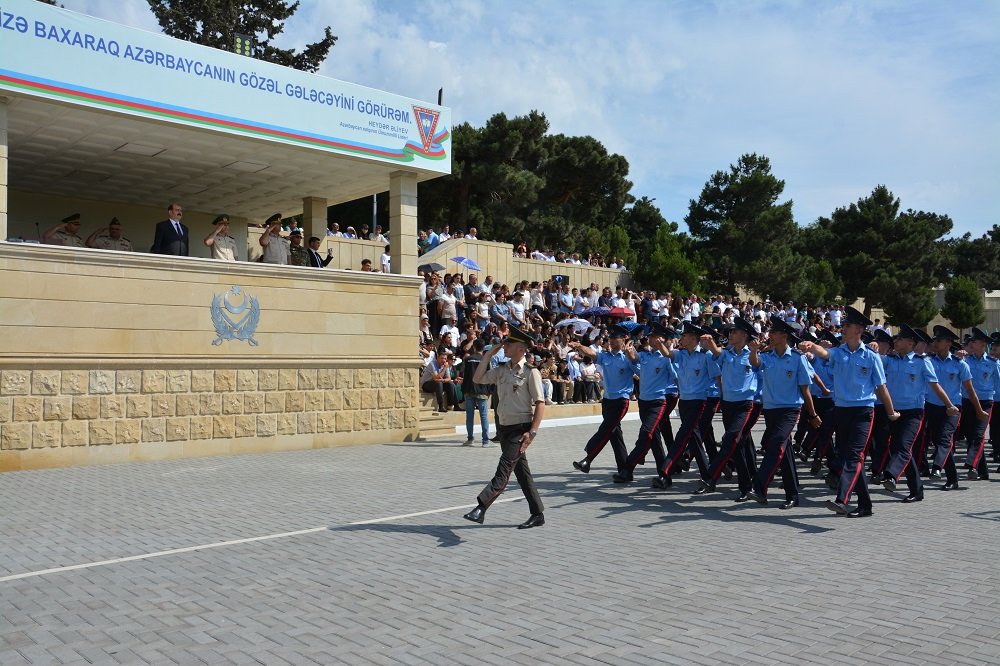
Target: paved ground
[617,576]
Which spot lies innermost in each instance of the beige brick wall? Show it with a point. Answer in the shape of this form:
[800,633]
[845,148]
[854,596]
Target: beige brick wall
[53,418]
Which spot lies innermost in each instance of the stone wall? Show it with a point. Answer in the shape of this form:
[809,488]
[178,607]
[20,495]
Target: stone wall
[81,416]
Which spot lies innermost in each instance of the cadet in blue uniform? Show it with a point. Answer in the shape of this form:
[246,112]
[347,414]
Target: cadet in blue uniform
[908,376]
[739,385]
[857,377]
[656,376]
[880,424]
[618,367]
[818,440]
[954,375]
[786,377]
[696,369]
[985,381]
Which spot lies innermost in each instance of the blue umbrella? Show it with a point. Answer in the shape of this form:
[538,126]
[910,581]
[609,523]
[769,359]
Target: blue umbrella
[630,326]
[597,311]
[465,262]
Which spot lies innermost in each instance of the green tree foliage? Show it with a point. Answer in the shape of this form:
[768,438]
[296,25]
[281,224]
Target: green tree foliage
[216,22]
[877,251]
[976,258]
[673,263]
[914,306]
[743,232]
[513,181]
[620,245]
[641,220]
[963,303]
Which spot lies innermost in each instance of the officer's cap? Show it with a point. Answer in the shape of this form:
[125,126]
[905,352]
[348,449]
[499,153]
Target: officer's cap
[517,335]
[881,336]
[274,218]
[779,325]
[221,219]
[979,334]
[944,333]
[660,330]
[696,331]
[829,336]
[924,337]
[617,331]
[295,232]
[807,336]
[856,317]
[867,337]
[75,217]
[741,324]
[905,331]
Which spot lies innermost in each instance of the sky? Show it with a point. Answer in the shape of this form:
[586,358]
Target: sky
[841,95]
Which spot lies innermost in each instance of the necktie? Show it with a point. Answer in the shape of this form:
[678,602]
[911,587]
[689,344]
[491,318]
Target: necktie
[177,228]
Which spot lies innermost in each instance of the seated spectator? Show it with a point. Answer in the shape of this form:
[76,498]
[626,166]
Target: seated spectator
[333,229]
[366,265]
[436,378]
[377,235]
[500,312]
[110,238]
[472,234]
[444,235]
[350,233]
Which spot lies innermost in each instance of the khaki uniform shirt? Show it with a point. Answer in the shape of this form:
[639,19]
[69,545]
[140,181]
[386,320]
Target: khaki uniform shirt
[277,251]
[299,256]
[66,240]
[518,389]
[108,243]
[224,248]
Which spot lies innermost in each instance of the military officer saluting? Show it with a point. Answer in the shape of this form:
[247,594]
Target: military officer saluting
[223,245]
[519,414]
[64,233]
[985,383]
[858,376]
[110,238]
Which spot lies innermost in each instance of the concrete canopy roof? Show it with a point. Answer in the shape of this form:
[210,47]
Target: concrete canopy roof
[58,148]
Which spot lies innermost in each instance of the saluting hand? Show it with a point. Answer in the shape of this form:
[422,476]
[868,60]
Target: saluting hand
[754,345]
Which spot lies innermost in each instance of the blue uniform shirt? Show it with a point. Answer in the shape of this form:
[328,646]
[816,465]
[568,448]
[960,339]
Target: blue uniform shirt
[856,374]
[985,376]
[656,375]
[759,393]
[821,367]
[782,376]
[907,378]
[618,371]
[950,372]
[695,373]
[739,381]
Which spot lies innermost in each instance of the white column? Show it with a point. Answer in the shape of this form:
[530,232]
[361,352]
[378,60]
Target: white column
[313,218]
[3,168]
[403,222]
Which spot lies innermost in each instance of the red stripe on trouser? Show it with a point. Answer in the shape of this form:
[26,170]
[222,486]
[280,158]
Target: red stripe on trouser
[861,462]
[696,424]
[655,428]
[600,447]
[781,454]
[916,438]
[982,441]
[505,482]
[736,442]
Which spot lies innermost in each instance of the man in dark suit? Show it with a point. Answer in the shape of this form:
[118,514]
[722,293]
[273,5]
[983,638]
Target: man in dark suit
[171,236]
[315,260]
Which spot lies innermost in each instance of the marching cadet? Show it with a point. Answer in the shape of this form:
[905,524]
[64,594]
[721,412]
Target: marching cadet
[818,439]
[985,382]
[618,366]
[908,376]
[110,238]
[64,233]
[696,369]
[657,398]
[857,377]
[880,426]
[786,377]
[519,414]
[739,385]
[222,244]
[955,378]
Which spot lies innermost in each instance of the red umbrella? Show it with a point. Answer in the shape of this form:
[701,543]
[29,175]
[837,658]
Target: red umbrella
[621,312]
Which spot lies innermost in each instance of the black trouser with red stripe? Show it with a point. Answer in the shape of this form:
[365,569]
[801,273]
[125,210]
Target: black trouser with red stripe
[613,410]
[941,438]
[512,460]
[777,445]
[688,438]
[707,429]
[880,441]
[853,426]
[735,417]
[652,414]
[974,432]
[904,434]
[819,439]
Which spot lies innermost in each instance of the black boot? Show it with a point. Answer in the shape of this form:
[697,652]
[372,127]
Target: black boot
[477,515]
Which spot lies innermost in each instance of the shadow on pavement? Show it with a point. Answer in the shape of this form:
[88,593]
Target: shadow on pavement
[447,535]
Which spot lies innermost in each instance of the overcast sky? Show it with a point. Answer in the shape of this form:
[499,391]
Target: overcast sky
[841,95]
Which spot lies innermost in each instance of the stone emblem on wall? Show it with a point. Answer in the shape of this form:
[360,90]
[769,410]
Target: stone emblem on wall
[235,315]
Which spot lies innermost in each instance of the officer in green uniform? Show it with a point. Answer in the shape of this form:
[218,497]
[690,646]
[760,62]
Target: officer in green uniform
[519,413]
